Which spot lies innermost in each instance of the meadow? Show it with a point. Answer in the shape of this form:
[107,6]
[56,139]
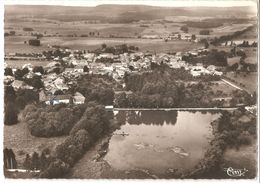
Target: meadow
[18,137]
[249,80]
[16,44]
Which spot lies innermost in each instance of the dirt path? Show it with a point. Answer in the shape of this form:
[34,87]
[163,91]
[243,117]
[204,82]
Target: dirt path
[229,83]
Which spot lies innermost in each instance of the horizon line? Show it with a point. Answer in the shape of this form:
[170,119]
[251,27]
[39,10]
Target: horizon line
[162,3]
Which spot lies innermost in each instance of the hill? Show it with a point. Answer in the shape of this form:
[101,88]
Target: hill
[120,13]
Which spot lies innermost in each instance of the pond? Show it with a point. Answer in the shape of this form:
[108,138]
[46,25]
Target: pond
[159,141]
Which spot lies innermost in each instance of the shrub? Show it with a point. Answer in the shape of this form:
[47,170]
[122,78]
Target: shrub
[56,169]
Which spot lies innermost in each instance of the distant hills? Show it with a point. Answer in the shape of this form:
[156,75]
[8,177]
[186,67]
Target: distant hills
[120,13]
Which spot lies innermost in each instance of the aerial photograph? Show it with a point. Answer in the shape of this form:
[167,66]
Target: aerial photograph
[141,89]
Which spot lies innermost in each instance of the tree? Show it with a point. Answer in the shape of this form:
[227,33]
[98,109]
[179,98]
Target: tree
[103,46]
[10,94]
[58,92]
[204,32]
[11,116]
[35,161]
[43,161]
[234,67]
[8,71]
[27,162]
[38,69]
[12,33]
[184,28]
[131,67]
[56,169]
[20,73]
[35,81]
[85,69]
[206,44]
[34,42]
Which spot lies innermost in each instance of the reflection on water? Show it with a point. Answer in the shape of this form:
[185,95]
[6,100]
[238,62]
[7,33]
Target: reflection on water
[159,140]
[147,117]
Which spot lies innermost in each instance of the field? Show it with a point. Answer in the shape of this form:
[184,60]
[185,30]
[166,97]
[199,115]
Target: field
[16,44]
[19,63]
[251,54]
[80,28]
[233,60]
[22,142]
[249,35]
[226,29]
[249,80]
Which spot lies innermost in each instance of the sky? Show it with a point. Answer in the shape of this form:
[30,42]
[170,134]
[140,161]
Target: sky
[166,3]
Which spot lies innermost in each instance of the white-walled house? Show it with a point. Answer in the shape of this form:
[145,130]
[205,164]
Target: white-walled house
[78,98]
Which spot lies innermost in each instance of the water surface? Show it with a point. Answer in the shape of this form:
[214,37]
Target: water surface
[159,141]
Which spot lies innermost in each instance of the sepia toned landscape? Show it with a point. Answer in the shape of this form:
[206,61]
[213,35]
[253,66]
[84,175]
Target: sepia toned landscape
[130,92]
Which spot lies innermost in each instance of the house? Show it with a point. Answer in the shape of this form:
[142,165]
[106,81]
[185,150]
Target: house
[106,55]
[78,69]
[198,70]
[213,71]
[28,66]
[109,107]
[8,79]
[78,98]
[185,36]
[151,37]
[194,53]
[60,84]
[55,99]
[17,84]
[89,56]
[58,99]
[211,68]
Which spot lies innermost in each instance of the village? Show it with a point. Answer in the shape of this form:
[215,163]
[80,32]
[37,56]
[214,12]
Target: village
[56,77]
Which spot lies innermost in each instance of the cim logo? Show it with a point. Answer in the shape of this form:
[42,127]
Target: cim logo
[232,172]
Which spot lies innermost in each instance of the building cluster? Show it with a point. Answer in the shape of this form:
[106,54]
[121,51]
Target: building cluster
[62,73]
[172,36]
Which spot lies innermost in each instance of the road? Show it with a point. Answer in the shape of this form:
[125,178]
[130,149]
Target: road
[175,109]
[231,84]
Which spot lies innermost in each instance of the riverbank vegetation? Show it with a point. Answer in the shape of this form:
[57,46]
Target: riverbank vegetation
[94,122]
